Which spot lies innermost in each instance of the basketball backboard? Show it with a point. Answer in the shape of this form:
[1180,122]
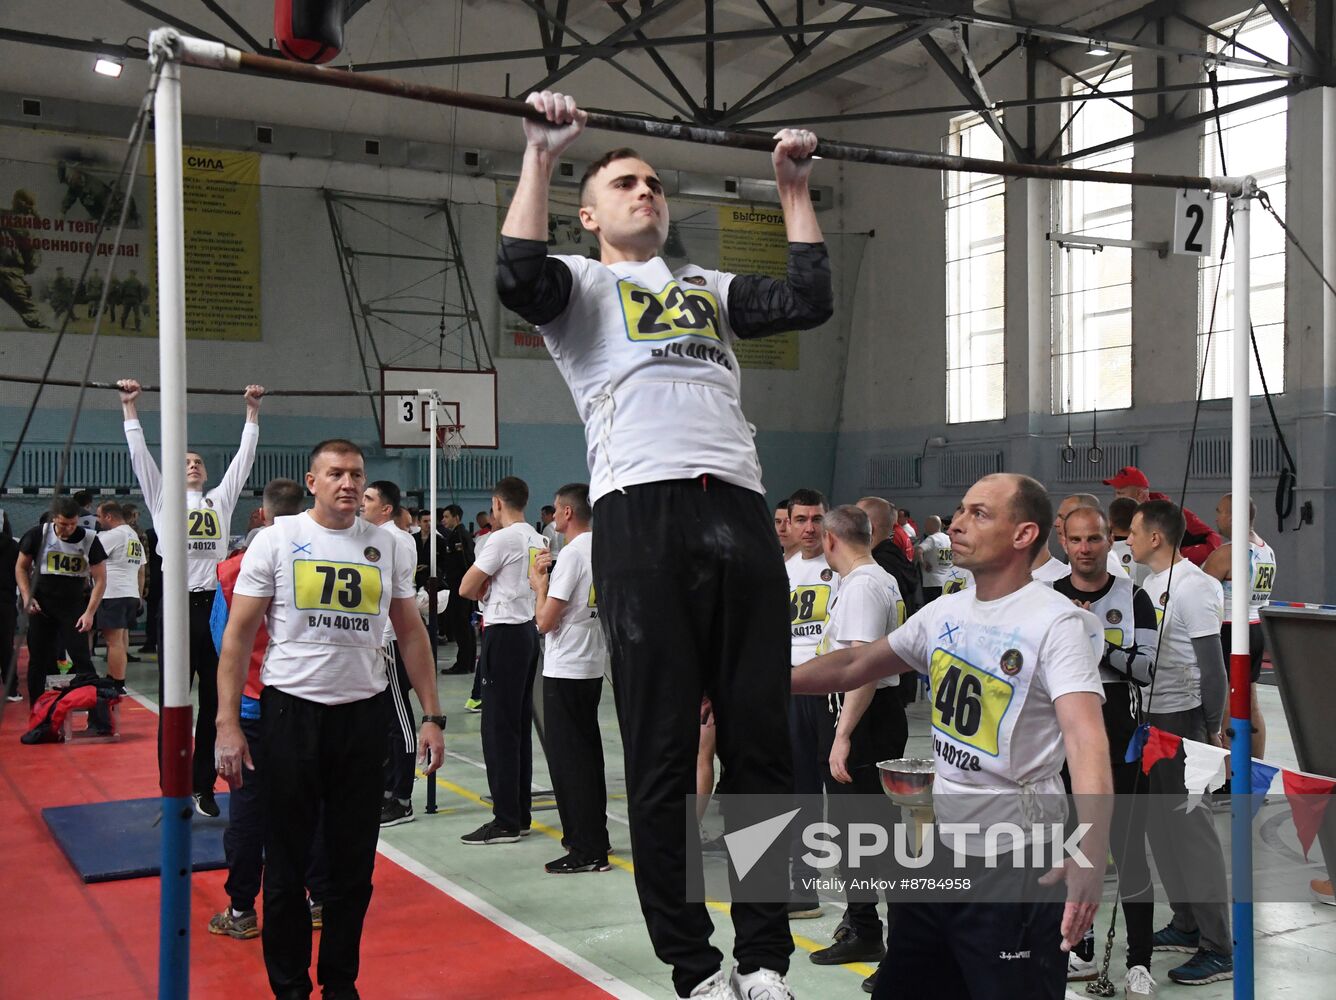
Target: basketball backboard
[468,400]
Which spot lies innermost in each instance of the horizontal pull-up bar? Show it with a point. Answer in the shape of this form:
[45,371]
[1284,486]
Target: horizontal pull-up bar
[213,55]
[72,384]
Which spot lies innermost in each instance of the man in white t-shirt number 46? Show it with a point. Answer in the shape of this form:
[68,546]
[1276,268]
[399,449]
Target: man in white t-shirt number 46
[1015,690]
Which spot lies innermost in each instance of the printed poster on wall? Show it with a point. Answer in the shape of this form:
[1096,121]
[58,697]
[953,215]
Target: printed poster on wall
[752,241]
[699,232]
[221,194]
[53,190]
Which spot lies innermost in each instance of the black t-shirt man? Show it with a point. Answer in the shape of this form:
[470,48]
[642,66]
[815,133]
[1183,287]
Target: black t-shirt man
[57,591]
[458,546]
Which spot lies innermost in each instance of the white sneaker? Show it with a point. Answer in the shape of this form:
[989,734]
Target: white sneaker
[1139,985]
[1079,970]
[763,984]
[714,988]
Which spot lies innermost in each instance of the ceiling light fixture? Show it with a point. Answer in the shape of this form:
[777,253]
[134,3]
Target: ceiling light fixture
[1097,48]
[108,66]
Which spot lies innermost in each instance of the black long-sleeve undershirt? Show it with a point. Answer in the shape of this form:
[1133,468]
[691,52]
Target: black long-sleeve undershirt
[538,288]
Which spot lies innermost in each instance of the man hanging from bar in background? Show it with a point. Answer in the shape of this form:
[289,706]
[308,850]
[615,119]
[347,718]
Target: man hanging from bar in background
[208,520]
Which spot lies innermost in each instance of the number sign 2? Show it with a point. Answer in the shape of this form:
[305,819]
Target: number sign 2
[1192,223]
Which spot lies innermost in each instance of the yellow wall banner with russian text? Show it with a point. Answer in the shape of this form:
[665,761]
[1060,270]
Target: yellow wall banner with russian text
[752,241]
[222,241]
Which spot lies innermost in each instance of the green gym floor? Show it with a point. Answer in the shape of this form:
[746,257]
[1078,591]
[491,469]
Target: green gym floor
[595,918]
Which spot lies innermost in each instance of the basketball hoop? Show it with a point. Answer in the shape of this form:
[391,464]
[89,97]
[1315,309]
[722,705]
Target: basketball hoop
[450,439]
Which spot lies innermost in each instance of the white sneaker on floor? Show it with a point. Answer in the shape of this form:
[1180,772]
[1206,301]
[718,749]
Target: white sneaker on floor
[714,988]
[1079,969]
[1139,984]
[763,984]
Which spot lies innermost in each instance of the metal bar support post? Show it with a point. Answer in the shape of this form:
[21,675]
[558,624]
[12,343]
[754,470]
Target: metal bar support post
[1240,571]
[176,715]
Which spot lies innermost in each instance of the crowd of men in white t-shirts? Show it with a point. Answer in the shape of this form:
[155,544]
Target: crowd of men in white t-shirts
[857,574]
[1165,638]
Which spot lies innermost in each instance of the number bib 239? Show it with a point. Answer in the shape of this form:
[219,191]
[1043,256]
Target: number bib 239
[968,704]
[668,314]
[348,588]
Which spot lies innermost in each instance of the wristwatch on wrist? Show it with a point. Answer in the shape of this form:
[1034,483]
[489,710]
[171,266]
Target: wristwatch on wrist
[438,719]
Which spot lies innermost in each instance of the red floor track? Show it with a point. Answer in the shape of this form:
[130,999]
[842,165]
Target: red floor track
[63,939]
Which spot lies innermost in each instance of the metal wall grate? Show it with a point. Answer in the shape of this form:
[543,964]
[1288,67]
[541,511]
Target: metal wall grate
[964,468]
[893,472]
[90,467]
[270,463]
[1212,457]
[471,472]
[1116,455]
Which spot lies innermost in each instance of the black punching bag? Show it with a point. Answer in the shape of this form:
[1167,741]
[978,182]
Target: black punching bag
[309,31]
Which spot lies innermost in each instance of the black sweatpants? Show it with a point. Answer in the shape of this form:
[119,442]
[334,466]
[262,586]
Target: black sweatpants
[811,729]
[401,747]
[324,762]
[9,614]
[694,600]
[203,672]
[508,666]
[53,627]
[975,951]
[458,620]
[575,762]
[881,734]
[243,840]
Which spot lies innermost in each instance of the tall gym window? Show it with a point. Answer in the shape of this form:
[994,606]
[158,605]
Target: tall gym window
[1254,141]
[1092,290]
[975,275]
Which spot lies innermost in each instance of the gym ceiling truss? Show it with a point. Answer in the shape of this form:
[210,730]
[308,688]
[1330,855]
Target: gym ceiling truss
[807,35]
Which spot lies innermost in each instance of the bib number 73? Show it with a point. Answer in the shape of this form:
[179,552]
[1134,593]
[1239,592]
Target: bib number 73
[968,704]
[350,588]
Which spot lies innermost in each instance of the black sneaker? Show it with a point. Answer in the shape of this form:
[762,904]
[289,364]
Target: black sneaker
[572,864]
[849,947]
[206,805]
[870,983]
[396,813]
[490,833]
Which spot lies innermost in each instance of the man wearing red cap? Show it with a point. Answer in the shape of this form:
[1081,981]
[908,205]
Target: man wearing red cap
[1199,541]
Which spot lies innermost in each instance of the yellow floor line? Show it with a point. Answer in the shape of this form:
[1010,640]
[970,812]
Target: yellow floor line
[807,944]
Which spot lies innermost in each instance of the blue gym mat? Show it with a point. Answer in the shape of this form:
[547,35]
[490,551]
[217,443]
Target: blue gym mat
[108,841]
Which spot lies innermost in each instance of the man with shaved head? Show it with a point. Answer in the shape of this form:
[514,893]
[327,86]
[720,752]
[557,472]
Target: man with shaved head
[934,554]
[1050,569]
[1003,724]
[890,554]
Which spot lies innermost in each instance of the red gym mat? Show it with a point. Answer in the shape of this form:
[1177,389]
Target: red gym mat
[63,938]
